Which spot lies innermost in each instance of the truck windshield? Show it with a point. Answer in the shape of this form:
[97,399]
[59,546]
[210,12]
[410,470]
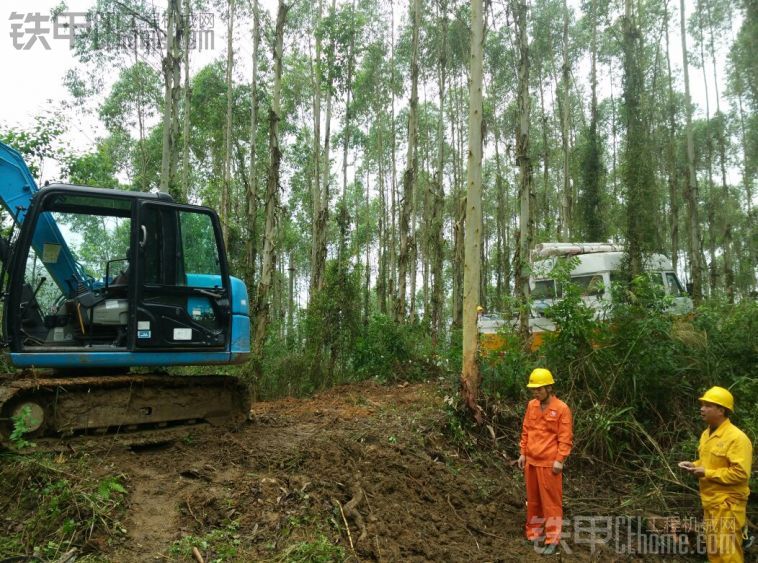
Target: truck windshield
[675,288]
[544,289]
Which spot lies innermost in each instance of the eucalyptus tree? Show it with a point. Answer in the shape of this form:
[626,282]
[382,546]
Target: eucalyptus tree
[224,211]
[691,190]
[546,35]
[133,101]
[499,111]
[526,191]
[410,174]
[639,180]
[272,186]
[716,15]
[591,194]
[251,192]
[470,377]
[435,239]
[172,88]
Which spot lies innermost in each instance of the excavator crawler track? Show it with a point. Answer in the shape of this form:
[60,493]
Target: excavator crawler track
[135,409]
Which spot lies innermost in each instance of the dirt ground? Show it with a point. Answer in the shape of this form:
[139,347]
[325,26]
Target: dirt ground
[370,472]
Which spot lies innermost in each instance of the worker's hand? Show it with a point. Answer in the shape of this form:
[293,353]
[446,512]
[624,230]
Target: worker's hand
[687,465]
[521,461]
[557,467]
[698,472]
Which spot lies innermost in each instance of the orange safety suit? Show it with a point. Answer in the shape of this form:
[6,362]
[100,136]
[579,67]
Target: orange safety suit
[546,436]
[727,455]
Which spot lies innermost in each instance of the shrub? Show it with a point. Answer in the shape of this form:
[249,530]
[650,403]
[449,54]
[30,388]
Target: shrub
[389,351]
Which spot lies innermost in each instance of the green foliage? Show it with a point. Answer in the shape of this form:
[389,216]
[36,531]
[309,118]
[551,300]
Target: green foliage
[320,550]
[459,425]
[57,506]
[37,143]
[21,424]
[333,321]
[633,382]
[389,351]
[218,545]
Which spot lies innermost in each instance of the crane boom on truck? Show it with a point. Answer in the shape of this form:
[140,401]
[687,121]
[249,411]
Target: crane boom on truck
[97,281]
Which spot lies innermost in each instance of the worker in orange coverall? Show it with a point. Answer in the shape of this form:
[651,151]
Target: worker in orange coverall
[725,456]
[546,438]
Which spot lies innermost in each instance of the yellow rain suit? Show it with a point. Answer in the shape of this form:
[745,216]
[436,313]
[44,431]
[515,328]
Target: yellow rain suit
[726,454]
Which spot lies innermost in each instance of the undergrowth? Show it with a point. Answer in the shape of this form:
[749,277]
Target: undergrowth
[633,383]
[49,507]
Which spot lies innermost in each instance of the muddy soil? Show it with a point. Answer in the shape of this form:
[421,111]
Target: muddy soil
[371,471]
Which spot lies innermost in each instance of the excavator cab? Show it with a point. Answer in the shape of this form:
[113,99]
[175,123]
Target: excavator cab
[99,278]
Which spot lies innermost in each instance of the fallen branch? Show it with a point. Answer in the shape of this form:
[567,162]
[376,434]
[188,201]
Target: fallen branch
[347,527]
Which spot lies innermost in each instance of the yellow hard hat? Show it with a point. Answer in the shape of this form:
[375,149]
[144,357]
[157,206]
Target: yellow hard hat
[719,396]
[540,377]
[479,308]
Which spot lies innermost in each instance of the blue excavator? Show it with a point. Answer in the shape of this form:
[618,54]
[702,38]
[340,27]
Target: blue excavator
[103,290]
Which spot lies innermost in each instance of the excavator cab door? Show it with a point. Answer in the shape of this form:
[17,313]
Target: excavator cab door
[183,287]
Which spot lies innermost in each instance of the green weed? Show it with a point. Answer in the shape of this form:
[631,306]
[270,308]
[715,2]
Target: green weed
[320,550]
[22,422]
[59,506]
[218,545]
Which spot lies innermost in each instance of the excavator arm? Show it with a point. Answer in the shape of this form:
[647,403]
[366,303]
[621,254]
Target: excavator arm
[17,188]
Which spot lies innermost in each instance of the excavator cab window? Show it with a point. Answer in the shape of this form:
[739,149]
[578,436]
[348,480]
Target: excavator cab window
[183,286]
[65,300]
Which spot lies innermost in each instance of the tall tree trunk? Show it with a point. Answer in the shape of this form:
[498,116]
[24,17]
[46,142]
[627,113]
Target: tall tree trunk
[592,164]
[187,94]
[318,258]
[411,172]
[291,300]
[381,282]
[671,153]
[637,172]
[437,190]
[172,87]
[227,185]
[503,274]
[272,188]
[323,216]
[470,377]
[459,209]
[711,209]
[544,208]
[367,284]
[393,188]
[348,93]
[251,201]
[346,131]
[526,192]
[691,194]
[727,239]
[566,197]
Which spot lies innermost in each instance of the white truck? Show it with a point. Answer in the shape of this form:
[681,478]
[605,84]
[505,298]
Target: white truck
[599,264]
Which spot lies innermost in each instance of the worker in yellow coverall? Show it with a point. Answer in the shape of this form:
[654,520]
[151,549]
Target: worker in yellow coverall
[725,455]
